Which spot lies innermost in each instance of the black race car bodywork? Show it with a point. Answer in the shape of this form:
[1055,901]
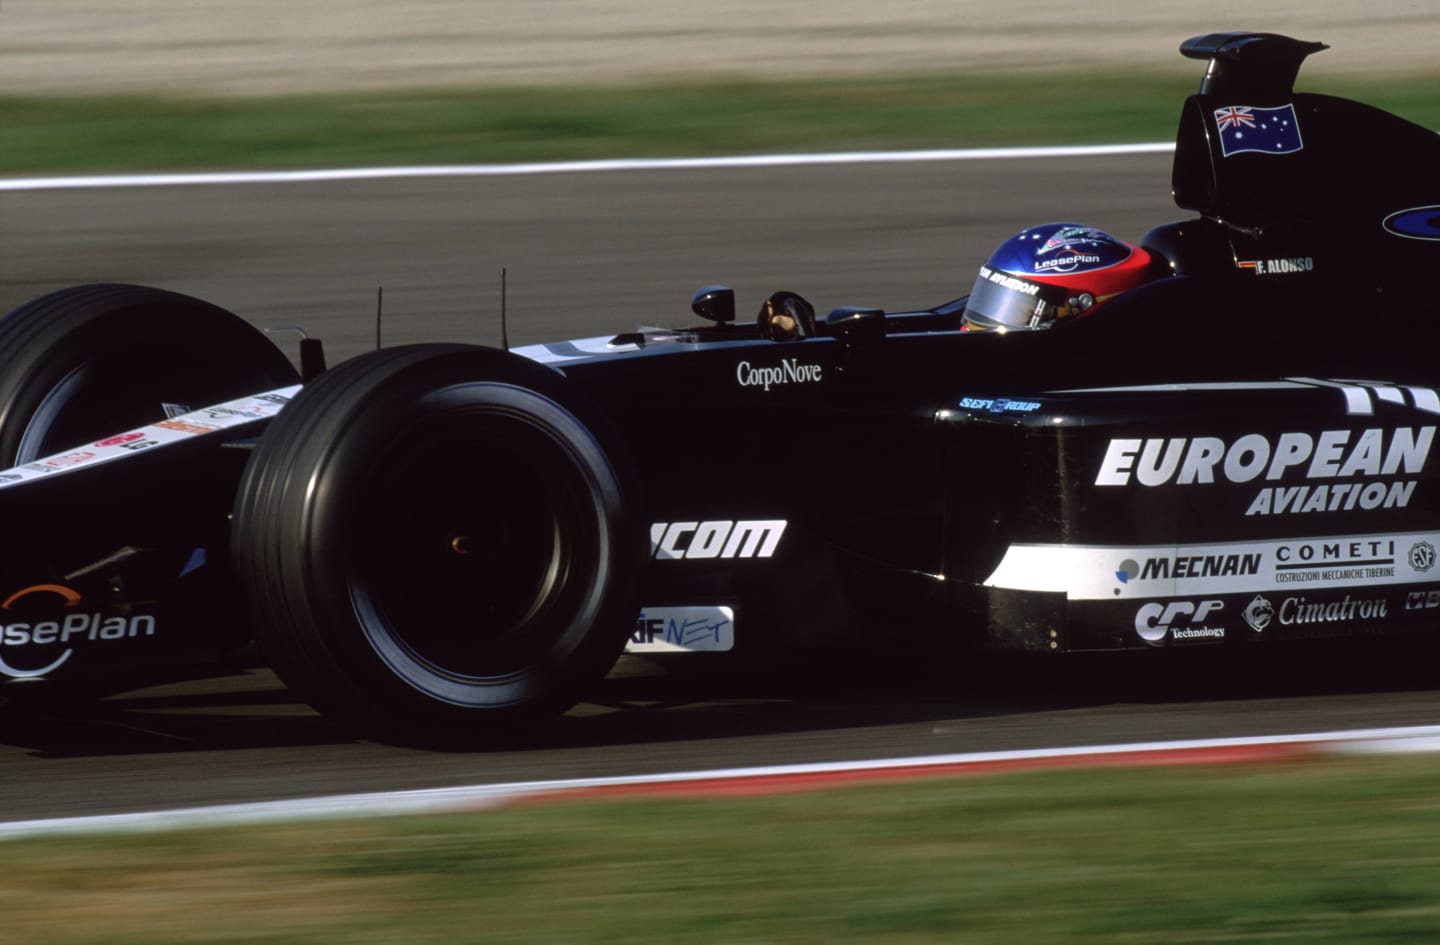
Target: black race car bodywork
[439,537]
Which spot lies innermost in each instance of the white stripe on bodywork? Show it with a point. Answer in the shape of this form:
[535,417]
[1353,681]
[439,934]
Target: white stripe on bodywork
[1426,399]
[213,419]
[1358,394]
[1194,386]
[560,352]
[1091,572]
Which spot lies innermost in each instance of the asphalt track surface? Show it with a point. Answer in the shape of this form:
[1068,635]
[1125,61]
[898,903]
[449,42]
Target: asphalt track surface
[590,254]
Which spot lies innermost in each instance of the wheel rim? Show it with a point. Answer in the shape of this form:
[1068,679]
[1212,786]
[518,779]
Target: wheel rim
[482,542]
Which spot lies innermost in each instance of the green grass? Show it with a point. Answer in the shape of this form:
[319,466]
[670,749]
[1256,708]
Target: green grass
[1319,852]
[68,135]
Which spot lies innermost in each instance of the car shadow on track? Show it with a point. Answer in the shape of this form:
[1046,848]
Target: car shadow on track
[684,699]
[679,702]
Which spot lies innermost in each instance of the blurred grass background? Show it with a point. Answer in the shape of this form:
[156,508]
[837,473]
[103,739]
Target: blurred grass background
[70,134]
[1321,851]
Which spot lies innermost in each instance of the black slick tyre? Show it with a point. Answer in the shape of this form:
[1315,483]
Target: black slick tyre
[437,542]
[92,360]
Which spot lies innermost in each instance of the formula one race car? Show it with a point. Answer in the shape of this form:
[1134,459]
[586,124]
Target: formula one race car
[439,539]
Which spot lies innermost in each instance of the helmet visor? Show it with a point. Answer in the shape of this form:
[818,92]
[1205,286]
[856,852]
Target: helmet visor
[1000,300]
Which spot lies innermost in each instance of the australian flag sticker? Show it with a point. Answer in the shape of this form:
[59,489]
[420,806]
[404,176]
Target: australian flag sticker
[1263,130]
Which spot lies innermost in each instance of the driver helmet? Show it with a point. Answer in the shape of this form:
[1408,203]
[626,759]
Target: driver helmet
[1050,272]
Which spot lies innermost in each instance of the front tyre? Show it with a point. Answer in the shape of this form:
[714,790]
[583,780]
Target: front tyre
[437,542]
[92,360]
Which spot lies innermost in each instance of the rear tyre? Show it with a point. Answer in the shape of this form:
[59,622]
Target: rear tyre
[436,543]
[88,361]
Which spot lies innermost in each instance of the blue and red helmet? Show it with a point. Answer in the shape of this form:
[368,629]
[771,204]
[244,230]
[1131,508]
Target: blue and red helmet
[1049,272]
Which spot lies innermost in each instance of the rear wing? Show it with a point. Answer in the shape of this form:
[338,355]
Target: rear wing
[1314,175]
[1255,64]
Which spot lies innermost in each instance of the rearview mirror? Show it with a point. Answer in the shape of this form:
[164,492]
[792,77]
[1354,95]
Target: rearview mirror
[715,303]
[854,325]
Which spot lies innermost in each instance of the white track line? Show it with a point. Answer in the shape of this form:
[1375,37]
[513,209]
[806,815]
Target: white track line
[391,803]
[571,167]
